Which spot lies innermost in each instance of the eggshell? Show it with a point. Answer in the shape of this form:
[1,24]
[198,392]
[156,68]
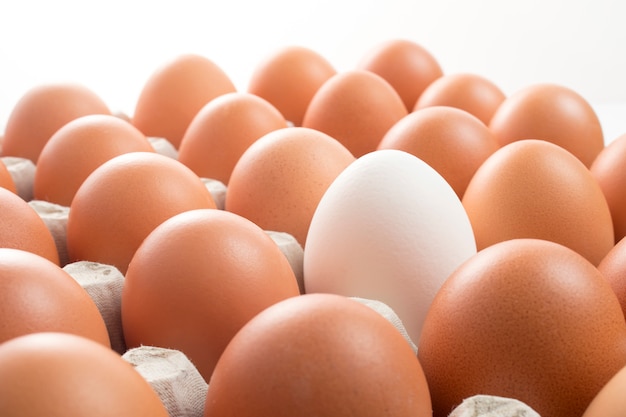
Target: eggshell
[406,65]
[56,374]
[37,295]
[608,170]
[22,228]
[79,147]
[22,171]
[288,78]
[389,228]
[526,319]
[613,267]
[175,92]
[536,189]
[355,107]
[6,180]
[321,355]
[196,279]
[553,113]
[223,129]
[279,180]
[41,111]
[451,140]
[470,92]
[610,401]
[123,200]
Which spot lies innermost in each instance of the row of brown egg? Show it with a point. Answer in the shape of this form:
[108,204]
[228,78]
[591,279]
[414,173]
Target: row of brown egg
[487,223]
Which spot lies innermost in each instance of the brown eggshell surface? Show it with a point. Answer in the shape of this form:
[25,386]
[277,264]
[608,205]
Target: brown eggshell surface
[610,401]
[470,92]
[175,92]
[79,147]
[37,295]
[223,129]
[41,111]
[536,189]
[526,319]
[123,200]
[357,108]
[199,277]
[451,140]
[6,180]
[406,65]
[289,78]
[320,355]
[553,113]
[56,374]
[613,267]
[279,180]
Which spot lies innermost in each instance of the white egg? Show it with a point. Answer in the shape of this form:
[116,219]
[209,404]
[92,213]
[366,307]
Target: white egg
[389,228]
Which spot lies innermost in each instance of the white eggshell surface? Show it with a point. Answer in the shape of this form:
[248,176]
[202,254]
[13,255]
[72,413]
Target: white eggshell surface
[389,228]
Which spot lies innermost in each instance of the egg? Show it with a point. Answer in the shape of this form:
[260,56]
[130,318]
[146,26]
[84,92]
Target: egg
[608,169]
[79,147]
[288,78]
[613,267]
[175,92]
[550,112]
[223,129]
[526,319]
[610,401]
[279,180]
[406,65]
[123,200]
[6,179]
[467,91]
[36,295]
[56,374]
[535,189]
[451,140]
[196,279]
[357,108]
[41,111]
[318,355]
[21,227]
[389,228]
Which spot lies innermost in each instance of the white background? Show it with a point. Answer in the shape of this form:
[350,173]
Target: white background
[113,46]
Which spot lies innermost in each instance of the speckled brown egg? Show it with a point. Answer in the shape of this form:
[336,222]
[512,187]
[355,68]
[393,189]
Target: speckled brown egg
[41,111]
[610,401]
[526,319]
[535,189]
[175,92]
[452,141]
[356,108]
[289,78]
[223,129]
[553,113]
[613,267]
[319,355]
[279,180]
[406,65]
[36,295]
[467,91]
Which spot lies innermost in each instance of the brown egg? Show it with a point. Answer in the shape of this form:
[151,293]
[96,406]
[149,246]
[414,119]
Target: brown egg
[41,112]
[610,401]
[279,180]
[199,277]
[613,267]
[319,355]
[608,170]
[526,319]
[536,189]
[175,92]
[56,374]
[223,129]
[470,92]
[123,199]
[6,180]
[452,141]
[79,147]
[36,295]
[406,65]
[357,108]
[22,228]
[289,78]
[553,113]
